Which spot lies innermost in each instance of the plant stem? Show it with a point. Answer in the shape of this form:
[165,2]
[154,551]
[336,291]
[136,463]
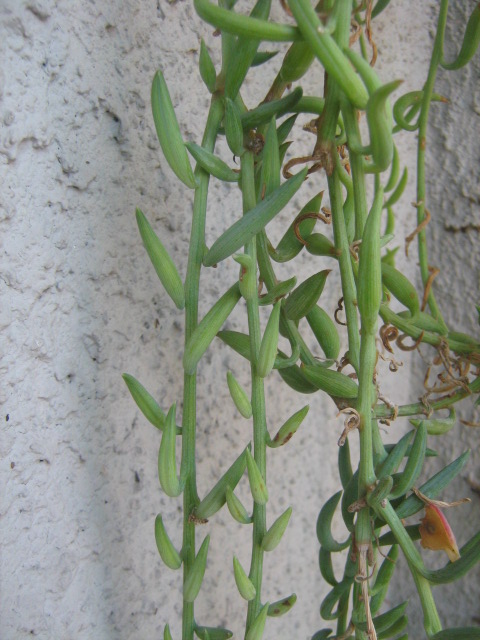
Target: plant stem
[421,148]
[195,256]
[258,402]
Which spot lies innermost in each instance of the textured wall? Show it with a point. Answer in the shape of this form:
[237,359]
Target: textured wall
[81,304]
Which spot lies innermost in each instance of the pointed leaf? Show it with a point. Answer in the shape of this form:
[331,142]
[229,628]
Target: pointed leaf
[269,344]
[239,396]
[216,498]
[289,428]
[257,483]
[275,108]
[247,227]
[324,526]
[194,579]
[212,633]
[146,403]
[432,487]
[168,132]
[167,551]
[167,466]
[162,262]
[471,41]
[256,630]
[207,68]
[212,164]
[236,508]
[244,584]
[208,328]
[281,607]
[302,299]
[273,536]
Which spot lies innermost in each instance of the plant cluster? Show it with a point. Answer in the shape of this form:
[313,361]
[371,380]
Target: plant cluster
[354,154]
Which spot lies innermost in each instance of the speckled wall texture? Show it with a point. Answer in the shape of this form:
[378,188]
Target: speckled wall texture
[81,304]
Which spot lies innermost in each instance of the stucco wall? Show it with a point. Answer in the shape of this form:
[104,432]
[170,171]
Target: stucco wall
[81,304]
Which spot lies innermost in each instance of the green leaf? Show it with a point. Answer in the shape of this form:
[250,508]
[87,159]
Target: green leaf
[334,383]
[244,584]
[168,132]
[401,288]
[238,341]
[414,465]
[244,53]
[212,164]
[325,331]
[207,68]
[326,567]
[294,377]
[165,547]
[296,62]
[280,290]
[382,581]
[236,508]
[269,344]
[279,608]
[334,596]
[471,41]
[275,108]
[437,426]
[256,629]
[233,128]
[194,578]
[345,464]
[328,52]
[212,633]
[270,174]
[290,246]
[240,25]
[261,57]
[247,227]
[216,498]
[239,396]
[303,299]
[289,428]
[395,457]
[432,487]
[162,262]
[380,122]
[208,328]
[458,633]
[399,189]
[386,620]
[167,466]
[285,128]
[469,556]
[146,403]
[324,526]
[369,285]
[273,536]
[256,480]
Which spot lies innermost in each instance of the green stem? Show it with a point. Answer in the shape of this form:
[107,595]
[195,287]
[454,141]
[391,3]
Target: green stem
[368,356]
[432,622]
[346,273]
[258,403]
[357,166]
[421,151]
[195,256]
[420,408]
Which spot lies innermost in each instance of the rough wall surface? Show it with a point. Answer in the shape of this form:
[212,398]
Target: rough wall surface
[81,305]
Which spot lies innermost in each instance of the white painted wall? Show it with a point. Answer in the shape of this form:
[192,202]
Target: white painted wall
[81,305]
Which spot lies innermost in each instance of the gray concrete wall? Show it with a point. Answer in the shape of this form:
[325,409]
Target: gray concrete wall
[81,305]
